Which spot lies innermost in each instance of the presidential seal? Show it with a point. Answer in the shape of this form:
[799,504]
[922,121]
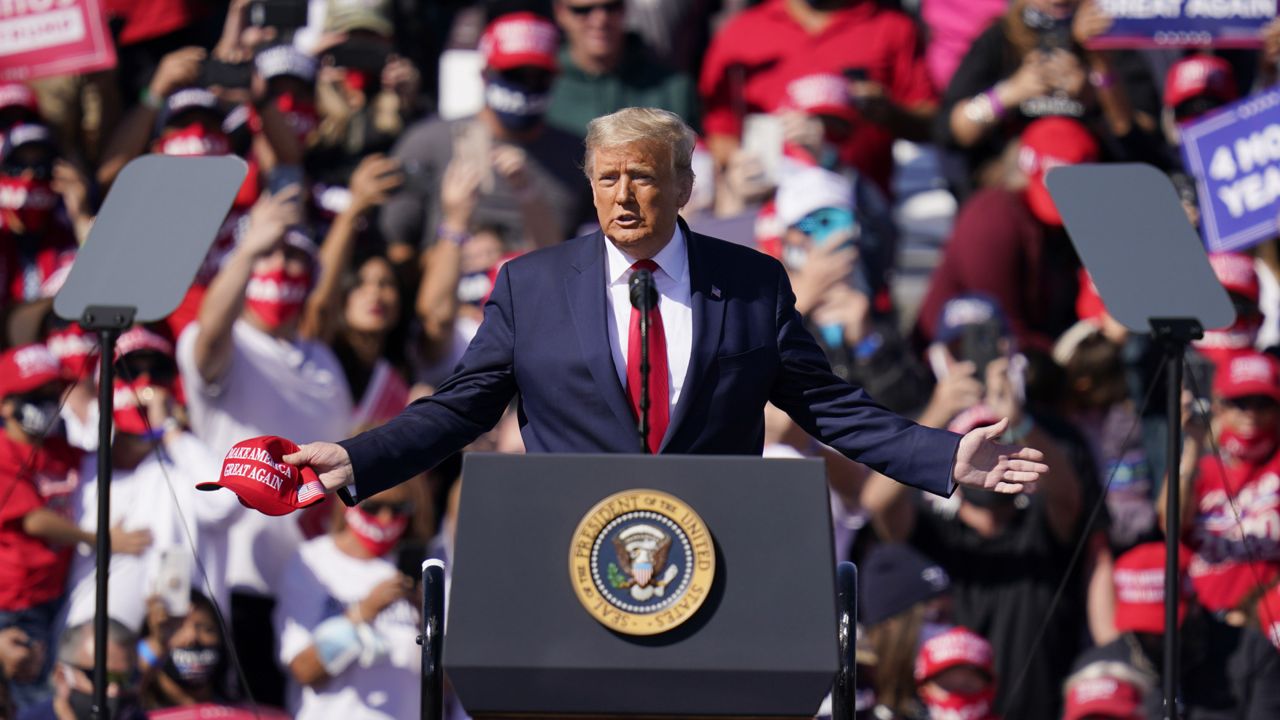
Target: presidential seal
[641,562]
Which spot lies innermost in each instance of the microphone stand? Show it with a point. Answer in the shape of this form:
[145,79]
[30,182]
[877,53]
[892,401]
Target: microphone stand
[644,297]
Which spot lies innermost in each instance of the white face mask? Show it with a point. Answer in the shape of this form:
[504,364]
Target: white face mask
[39,419]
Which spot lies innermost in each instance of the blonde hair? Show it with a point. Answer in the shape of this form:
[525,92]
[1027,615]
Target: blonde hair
[649,126]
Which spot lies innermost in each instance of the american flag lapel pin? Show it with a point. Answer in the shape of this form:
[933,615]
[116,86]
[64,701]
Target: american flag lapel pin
[715,292]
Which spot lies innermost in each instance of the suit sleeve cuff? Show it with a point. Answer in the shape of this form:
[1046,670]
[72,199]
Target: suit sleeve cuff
[348,495]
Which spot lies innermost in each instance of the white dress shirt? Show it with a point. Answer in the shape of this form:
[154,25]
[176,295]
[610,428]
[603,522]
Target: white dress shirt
[672,279]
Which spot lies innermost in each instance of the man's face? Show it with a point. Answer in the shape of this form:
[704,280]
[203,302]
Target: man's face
[296,262]
[594,27]
[637,196]
[121,670]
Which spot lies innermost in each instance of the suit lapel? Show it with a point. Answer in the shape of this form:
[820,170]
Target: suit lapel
[585,287]
[706,295]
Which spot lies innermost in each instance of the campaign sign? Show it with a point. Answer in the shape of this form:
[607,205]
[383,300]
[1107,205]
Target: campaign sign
[40,38]
[1184,23]
[1234,154]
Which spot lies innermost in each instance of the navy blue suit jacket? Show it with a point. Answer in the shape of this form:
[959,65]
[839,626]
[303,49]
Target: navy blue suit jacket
[545,339]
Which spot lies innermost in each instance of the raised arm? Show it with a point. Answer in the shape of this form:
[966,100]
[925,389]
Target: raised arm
[371,183]
[224,301]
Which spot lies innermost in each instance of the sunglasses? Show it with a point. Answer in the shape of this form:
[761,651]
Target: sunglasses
[119,679]
[42,170]
[399,509]
[614,7]
[1194,108]
[153,365]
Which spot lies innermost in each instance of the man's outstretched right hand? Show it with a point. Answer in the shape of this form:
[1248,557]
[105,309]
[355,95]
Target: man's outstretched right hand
[330,461]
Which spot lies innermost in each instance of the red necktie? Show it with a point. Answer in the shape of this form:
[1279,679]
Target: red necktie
[659,400]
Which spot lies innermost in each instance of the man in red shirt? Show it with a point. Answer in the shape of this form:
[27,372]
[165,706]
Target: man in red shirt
[754,56]
[38,473]
[1231,503]
[1010,244]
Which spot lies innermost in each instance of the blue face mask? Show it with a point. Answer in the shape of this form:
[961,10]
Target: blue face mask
[516,107]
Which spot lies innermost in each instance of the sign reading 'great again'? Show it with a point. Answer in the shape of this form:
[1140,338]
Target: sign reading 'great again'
[1184,23]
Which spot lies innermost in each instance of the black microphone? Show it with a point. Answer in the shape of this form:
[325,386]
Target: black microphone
[644,297]
[644,293]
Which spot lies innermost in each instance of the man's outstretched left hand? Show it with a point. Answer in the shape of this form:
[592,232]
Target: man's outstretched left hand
[982,461]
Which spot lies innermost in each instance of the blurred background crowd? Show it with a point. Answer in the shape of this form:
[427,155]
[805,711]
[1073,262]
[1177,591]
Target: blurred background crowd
[890,154]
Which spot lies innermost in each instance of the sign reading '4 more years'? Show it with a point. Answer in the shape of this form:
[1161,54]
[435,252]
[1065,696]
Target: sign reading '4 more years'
[1234,155]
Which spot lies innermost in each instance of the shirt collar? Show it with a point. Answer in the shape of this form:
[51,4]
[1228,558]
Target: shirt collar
[673,260]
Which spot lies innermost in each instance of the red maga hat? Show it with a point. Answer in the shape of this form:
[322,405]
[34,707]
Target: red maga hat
[520,39]
[27,368]
[957,646]
[255,471]
[1248,373]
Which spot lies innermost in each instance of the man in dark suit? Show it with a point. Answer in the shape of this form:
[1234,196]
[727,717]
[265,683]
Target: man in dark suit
[559,331]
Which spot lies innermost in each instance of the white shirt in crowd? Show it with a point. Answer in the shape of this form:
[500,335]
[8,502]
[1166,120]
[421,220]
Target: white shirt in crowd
[674,304]
[158,495]
[320,582]
[271,387]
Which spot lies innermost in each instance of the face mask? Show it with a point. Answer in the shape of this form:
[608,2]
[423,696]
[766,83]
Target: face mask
[1251,448]
[39,419]
[127,413]
[193,665]
[517,108]
[794,256]
[275,297]
[194,141]
[300,114]
[376,535]
[961,706]
[26,203]
[119,706]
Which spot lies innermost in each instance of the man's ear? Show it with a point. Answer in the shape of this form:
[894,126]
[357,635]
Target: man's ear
[686,190]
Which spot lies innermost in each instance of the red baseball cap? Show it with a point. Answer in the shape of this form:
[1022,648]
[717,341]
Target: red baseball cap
[138,338]
[957,646]
[520,39]
[821,94]
[1248,373]
[1199,75]
[18,95]
[1237,273]
[27,368]
[1046,144]
[254,470]
[1139,584]
[1103,697]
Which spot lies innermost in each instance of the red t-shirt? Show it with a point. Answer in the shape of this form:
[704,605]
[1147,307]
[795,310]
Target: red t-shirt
[1232,554]
[997,248]
[773,49]
[32,572]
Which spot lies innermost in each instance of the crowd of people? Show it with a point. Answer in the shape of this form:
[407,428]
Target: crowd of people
[400,151]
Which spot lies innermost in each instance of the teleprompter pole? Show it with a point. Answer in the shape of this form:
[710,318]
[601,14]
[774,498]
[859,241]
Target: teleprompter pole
[1173,336]
[109,322]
